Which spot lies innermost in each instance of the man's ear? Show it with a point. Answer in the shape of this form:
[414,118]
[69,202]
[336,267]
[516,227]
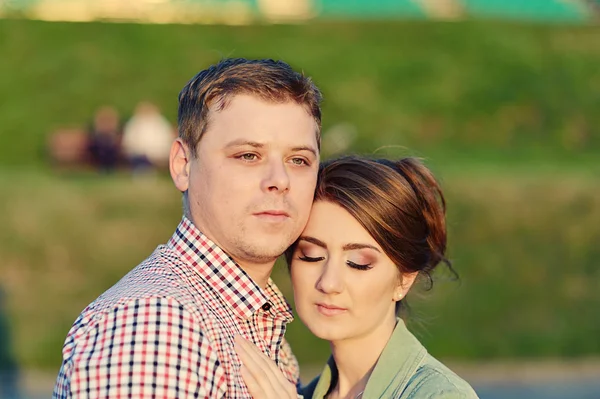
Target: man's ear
[404,283]
[179,164]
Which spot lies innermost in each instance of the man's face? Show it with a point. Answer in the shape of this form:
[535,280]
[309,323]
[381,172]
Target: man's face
[252,183]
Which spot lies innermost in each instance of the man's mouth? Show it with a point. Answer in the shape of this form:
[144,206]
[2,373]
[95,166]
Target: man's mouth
[273,215]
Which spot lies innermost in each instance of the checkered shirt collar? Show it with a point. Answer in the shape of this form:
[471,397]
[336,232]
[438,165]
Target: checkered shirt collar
[230,281]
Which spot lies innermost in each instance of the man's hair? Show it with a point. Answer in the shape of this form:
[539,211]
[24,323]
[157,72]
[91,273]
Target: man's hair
[213,88]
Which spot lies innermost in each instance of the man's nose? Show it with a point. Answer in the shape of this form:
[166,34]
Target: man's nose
[276,178]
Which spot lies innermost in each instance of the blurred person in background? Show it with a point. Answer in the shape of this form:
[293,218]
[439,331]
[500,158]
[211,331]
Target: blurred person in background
[375,226]
[9,375]
[147,138]
[246,161]
[105,139]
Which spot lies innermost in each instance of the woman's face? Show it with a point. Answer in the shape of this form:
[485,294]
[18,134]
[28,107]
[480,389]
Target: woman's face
[345,287]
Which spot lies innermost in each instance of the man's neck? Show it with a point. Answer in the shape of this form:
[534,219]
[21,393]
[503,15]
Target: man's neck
[259,272]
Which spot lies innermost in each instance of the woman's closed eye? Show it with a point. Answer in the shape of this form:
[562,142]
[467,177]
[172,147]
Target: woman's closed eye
[359,266]
[305,258]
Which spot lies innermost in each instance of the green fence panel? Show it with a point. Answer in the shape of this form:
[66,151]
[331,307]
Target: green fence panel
[369,8]
[549,10]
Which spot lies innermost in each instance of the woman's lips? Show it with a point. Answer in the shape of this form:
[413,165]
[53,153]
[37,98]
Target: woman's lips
[329,310]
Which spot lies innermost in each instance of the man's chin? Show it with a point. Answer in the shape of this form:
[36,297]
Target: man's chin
[266,229]
[267,249]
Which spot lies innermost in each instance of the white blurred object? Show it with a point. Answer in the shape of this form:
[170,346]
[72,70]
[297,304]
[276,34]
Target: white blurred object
[286,10]
[148,134]
[233,12]
[443,9]
[338,138]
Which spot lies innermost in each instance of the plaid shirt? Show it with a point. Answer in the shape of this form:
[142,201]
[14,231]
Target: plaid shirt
[166,329]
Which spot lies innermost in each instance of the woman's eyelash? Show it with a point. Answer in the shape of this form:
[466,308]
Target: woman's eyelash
[310,259]
[359,266]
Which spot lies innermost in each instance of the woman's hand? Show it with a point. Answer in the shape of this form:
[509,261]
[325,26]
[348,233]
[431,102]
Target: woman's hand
[261,375]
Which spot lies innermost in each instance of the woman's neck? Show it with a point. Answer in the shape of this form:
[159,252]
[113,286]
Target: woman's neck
[355,360]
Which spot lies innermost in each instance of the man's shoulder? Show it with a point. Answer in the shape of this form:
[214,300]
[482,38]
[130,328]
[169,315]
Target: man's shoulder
[162,274]
[160,278]
[150,319]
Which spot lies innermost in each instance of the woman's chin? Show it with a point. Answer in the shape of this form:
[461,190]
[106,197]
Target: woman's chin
[328,333]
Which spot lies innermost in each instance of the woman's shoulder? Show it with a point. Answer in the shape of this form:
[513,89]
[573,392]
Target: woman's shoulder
[436,381]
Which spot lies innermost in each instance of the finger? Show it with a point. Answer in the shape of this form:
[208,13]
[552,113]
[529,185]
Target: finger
[268,368]
[254,387]
[259,357]
[266,371]
[254,369]
[261,363]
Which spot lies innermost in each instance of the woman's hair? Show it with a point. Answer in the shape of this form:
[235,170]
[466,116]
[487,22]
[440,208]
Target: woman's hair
[399,203]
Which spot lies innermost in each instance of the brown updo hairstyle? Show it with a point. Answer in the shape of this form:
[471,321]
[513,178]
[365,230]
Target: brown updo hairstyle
[399,203]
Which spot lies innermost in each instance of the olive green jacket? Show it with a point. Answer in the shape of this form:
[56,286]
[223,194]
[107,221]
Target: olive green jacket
[404,371]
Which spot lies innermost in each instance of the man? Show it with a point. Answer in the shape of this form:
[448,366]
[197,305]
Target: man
[246,162]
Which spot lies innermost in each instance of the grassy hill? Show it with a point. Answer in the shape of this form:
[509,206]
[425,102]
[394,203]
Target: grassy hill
[469,90]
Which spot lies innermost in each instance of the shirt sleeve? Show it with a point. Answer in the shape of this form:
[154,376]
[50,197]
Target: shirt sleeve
[147,348]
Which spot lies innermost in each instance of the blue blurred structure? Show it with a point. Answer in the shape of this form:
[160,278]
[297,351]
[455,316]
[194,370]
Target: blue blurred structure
[575,390]
[9,376]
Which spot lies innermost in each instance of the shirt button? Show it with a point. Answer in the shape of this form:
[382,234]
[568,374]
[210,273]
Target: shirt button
[266,307]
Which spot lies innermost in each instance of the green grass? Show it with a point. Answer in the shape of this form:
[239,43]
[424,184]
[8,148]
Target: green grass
[455,89]
[506,114]
[526,248]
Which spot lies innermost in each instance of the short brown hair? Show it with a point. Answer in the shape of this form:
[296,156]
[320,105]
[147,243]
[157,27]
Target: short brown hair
[273,81]
[399,203]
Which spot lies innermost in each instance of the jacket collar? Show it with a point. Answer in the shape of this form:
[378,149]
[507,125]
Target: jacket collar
[400,359]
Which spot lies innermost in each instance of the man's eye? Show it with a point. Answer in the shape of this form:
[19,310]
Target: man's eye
[248,157]
[305,258]
[299,161]
[359,266]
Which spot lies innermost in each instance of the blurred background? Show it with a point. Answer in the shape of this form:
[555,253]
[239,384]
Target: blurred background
[500,97]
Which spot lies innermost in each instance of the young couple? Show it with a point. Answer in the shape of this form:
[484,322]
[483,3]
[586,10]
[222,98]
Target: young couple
[201,318]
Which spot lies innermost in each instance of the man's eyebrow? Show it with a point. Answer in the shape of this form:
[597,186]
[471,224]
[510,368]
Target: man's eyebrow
[353,246]
[241,142]
[305,148]
[256,144]
[313,240]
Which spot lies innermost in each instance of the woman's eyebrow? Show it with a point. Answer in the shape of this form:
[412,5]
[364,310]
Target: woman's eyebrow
[313,240]
[353,246]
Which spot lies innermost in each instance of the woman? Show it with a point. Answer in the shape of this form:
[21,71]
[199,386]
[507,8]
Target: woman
[375,226]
